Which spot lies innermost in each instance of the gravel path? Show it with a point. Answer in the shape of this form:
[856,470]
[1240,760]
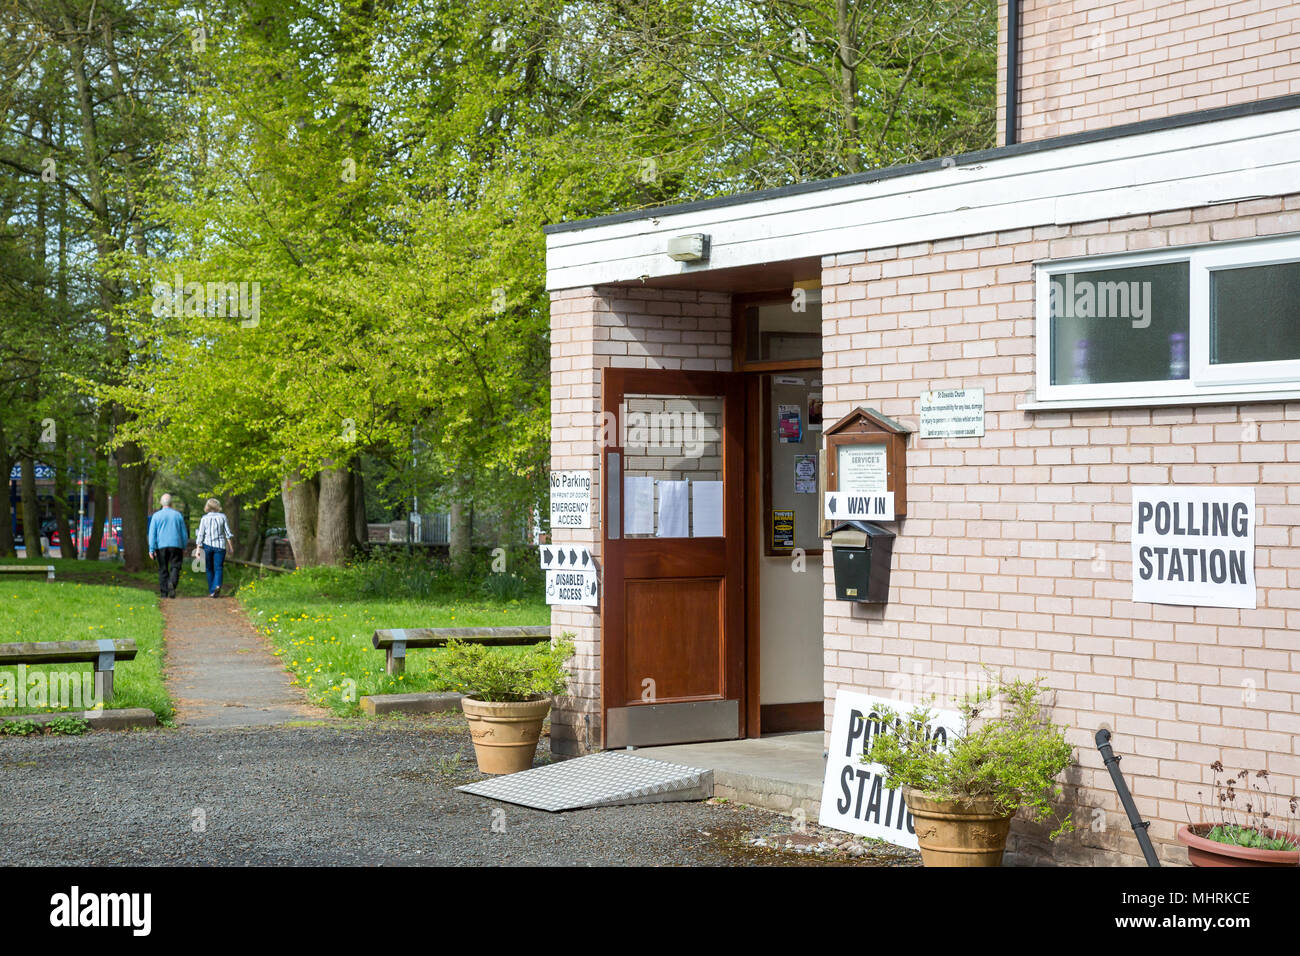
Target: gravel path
[326,793]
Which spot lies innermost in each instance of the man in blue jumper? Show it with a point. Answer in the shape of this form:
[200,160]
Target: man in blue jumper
[168,537]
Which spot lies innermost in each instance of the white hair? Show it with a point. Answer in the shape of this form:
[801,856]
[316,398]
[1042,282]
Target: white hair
[165,501]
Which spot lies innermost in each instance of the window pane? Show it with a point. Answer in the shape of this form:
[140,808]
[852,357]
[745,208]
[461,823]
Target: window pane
[776,331]
[672,449]
[1120,325]
[1255,314]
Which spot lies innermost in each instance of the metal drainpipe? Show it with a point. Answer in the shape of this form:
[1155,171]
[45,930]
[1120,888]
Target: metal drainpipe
[1135,820]
[1013,63]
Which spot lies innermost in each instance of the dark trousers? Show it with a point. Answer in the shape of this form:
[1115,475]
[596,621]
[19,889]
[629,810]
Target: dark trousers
[214,560]
[169,569]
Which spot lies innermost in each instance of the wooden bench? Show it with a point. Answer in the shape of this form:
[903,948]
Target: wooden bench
[45,569]
[394,643]
[103,654]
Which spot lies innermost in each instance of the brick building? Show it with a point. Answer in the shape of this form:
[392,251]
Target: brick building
[1154,149]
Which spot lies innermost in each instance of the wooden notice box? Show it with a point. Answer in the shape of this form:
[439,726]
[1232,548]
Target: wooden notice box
[866,453]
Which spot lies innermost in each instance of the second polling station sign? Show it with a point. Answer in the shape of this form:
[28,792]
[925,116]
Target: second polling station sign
[1194,546]
[854,795]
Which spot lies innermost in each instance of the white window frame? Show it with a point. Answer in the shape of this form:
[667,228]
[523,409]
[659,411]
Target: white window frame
[1234,256]
[1206,382]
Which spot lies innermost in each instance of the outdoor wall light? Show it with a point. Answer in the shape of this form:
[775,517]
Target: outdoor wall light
[692,248]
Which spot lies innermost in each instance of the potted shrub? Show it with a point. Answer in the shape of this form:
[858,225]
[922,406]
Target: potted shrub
[507,697]
[962,798]
[1245,835]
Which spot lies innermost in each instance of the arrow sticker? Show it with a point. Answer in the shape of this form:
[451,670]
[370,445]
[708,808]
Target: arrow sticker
[565,556]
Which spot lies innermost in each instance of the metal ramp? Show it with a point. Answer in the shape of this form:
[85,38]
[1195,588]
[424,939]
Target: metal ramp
[607,779]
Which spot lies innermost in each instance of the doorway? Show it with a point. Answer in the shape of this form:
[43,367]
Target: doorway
[777,347]
[711,615]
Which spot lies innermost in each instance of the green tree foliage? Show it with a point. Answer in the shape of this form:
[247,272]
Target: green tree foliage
[380,172]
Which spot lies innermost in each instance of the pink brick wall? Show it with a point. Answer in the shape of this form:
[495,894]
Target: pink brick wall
[1090,64]
[1015,552]
[592,329]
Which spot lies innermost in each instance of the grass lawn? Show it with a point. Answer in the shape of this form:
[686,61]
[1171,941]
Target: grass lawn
[70,609]
[320,621]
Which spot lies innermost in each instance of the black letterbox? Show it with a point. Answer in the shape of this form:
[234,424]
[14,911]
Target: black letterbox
[863,553]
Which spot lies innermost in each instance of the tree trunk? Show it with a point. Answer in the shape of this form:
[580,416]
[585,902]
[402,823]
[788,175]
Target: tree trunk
[7,524]
[459,537]
[250,549]
[300,510]
[847,62]
[131,481]
[94,521]
[335,530]
[234,517]
[31,512]
[62,457]
[97,490]
[360,529]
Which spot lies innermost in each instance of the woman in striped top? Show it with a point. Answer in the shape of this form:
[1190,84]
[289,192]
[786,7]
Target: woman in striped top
[213,538]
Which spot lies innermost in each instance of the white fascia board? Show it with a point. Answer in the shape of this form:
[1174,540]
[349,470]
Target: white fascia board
[1189,166]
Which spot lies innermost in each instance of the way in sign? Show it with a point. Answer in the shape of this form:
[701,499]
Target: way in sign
[843,506]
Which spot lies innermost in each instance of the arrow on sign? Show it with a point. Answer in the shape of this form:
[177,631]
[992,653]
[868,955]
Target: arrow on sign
[870,507]
[565,556]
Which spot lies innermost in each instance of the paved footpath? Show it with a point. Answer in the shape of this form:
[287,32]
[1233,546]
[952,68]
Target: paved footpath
[221,673]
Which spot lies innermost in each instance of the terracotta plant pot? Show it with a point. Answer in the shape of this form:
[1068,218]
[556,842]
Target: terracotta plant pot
[1202,851]
[505,733]
[969,832]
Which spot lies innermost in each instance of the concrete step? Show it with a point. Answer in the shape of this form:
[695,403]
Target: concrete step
[782,772]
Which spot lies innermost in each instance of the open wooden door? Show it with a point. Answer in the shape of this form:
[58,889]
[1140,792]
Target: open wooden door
[673,607]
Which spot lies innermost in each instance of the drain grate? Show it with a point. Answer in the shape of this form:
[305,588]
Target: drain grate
[607,779]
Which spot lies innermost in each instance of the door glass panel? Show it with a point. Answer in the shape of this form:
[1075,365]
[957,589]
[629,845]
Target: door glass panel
[672,466]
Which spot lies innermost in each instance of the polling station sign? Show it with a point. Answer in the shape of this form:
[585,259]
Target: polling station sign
[854,795]
[1194,546]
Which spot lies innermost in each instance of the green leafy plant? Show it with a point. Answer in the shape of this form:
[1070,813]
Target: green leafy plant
[506,587]
[68,726]
[1009,751]
[19,728]
[490,674]
[1242,812]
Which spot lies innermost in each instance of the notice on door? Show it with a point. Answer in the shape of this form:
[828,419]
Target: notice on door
[782,530]
[572,587]
[862,469]
[1194,546]
[952,413]
[570,499]
[854,795]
